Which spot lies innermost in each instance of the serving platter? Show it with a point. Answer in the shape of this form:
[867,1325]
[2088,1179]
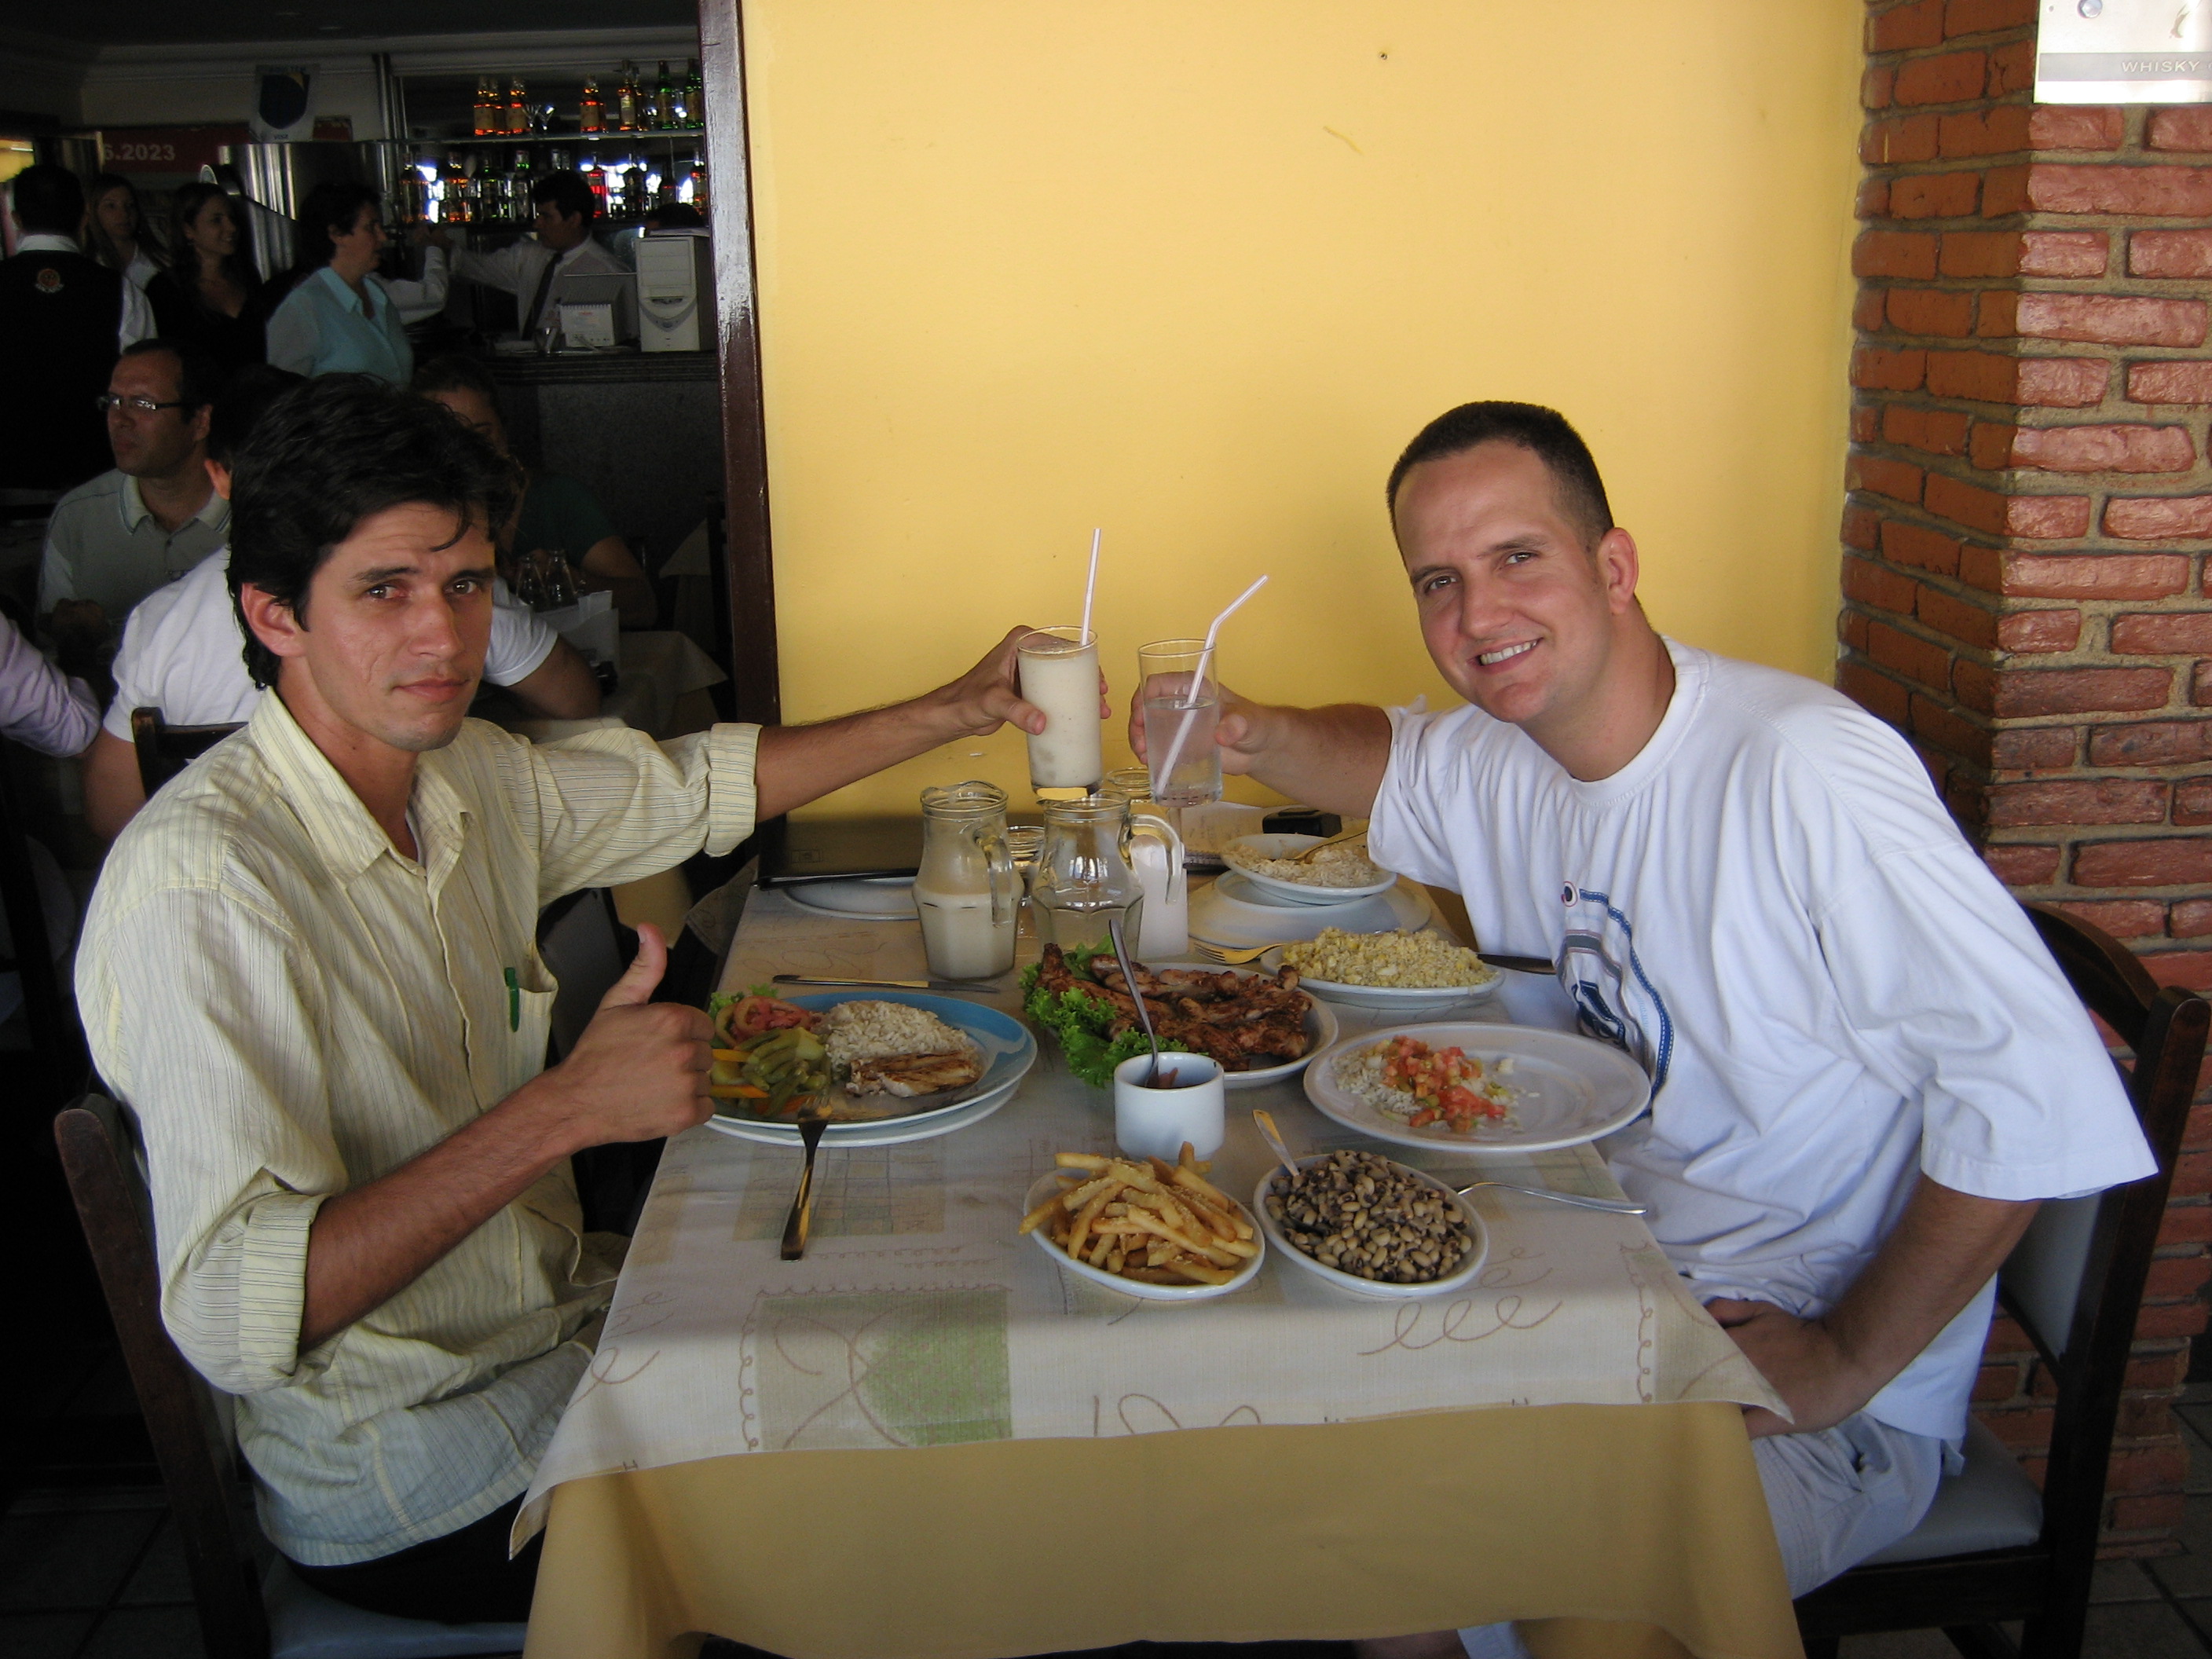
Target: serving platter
[1231,910]
[1571,1088]
[1275,889]
[1394,998]
[1462,1275]
[869,898]
[1048,1183]
[1009,1050]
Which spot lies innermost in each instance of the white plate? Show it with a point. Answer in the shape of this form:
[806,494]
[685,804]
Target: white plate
[873,898]
[1395,998]
[889,1132]
[1009,1050]
[1276,890]
[1572,1089]
[1352,1282]
[1048,1183]
[1230,911]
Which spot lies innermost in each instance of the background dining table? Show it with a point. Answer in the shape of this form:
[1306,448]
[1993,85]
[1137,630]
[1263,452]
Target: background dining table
[925,1440]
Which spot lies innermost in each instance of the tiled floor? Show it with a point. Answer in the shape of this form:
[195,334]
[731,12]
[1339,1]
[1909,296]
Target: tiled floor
[96,1574]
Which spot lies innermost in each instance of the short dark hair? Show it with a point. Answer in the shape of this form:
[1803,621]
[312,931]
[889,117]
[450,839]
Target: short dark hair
[333,205]
[244,398]
[455,373]
[567,191]
[330,453]
[1543,432]
[676,216]
[49,199]
[199,375]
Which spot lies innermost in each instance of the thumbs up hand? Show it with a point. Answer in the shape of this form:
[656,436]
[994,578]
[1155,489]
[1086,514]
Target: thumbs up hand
[639,1069]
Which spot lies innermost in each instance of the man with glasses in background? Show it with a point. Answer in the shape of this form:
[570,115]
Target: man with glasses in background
[157,514]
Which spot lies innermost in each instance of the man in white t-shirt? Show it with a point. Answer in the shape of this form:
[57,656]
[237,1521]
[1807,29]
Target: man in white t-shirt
[182,652]
[1866,1069]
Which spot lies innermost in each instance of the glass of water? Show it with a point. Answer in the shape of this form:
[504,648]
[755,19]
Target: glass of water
[1181,693]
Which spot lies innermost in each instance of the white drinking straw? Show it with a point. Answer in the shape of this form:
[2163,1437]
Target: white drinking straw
[1089,585]
[1198,678]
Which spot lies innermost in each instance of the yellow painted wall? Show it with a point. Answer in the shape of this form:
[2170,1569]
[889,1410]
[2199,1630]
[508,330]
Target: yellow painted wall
[1196,269]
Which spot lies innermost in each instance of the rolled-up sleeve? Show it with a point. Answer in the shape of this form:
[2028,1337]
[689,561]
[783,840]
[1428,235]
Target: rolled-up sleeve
[203,1011]
[613,806]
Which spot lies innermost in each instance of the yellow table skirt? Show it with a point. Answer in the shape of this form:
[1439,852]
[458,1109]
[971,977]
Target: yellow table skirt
[1630,1529]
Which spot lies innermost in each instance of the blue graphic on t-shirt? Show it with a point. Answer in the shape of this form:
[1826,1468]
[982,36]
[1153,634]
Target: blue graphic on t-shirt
[1615,999]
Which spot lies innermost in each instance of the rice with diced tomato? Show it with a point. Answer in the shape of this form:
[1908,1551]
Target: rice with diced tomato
[1447,1089]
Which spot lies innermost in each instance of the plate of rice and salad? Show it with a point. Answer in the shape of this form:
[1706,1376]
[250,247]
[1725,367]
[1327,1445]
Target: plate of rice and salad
[897,1066]
[1478,1088]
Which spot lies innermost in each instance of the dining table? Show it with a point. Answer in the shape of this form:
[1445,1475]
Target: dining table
[925,1440]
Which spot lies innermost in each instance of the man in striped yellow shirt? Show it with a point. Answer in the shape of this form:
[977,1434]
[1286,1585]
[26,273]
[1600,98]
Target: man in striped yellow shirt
[310,972]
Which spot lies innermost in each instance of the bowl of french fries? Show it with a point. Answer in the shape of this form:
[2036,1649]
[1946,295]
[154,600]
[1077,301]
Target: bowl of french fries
[1146,1227]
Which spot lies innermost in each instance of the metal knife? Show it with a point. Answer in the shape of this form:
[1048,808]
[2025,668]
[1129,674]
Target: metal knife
[889,984]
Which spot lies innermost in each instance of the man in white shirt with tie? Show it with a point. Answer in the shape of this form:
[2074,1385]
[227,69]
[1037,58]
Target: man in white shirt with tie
[528,270]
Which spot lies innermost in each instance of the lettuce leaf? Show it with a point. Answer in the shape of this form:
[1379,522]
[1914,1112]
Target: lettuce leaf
[1082,1022]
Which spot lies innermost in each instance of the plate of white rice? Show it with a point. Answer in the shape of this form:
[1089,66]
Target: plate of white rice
[1563,1089]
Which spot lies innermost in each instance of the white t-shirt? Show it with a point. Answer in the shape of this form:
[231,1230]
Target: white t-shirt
[183,653]
[1769,909]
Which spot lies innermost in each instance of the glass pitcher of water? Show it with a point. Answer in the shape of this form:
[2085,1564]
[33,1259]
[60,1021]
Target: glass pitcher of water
[967,888]
[1085,876]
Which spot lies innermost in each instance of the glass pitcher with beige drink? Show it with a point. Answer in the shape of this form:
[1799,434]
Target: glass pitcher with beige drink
[967,888]
[1084,875]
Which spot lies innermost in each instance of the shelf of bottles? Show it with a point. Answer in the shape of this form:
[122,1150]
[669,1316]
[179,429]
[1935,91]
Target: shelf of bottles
[639,150]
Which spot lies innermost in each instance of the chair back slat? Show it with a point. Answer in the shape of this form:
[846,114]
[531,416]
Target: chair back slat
[2088,1352]
[2042,1278]
[99,1157]
[164,750]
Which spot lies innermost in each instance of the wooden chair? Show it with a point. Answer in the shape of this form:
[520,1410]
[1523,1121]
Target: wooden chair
[243,1614]
[164,750]
[1991,1549]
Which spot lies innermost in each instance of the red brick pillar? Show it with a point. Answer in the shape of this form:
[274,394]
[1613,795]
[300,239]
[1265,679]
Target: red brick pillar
[2024,569]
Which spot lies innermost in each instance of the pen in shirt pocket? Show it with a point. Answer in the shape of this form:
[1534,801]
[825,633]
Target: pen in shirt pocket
[513,1002]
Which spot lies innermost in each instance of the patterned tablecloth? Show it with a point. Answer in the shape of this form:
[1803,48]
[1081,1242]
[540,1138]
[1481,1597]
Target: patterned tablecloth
[920,1319]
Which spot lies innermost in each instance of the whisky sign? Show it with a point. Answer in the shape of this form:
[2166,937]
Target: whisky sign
[2124,52]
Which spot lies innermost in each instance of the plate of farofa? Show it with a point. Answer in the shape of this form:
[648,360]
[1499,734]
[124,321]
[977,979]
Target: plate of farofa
[1156,1230]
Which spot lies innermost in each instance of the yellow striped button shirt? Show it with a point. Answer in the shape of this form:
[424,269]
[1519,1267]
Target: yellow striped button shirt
[292,1008]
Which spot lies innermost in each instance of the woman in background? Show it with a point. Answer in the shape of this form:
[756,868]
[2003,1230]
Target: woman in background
[210,295]
[341,317]
[113,229]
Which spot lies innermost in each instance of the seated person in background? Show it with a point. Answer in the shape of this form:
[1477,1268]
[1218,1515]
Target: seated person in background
[211,295]
[1866,1070]
[64,316]
[564,209]
[114,540]
[558,513]
[673,216]
[183,650]
[310,973]
[42,707]
[341,317]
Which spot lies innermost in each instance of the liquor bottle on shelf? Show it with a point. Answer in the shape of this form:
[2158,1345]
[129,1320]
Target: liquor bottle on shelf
[557,158]
[701,197]
[591,117]
[679,104]
[695,96]
[626,110]
[596,182]
[633,192]
[517,109]
[470,189]
[664,99]
[480,111]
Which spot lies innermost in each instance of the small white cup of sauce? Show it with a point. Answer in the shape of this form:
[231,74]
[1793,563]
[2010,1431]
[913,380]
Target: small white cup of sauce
[1187,1106]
